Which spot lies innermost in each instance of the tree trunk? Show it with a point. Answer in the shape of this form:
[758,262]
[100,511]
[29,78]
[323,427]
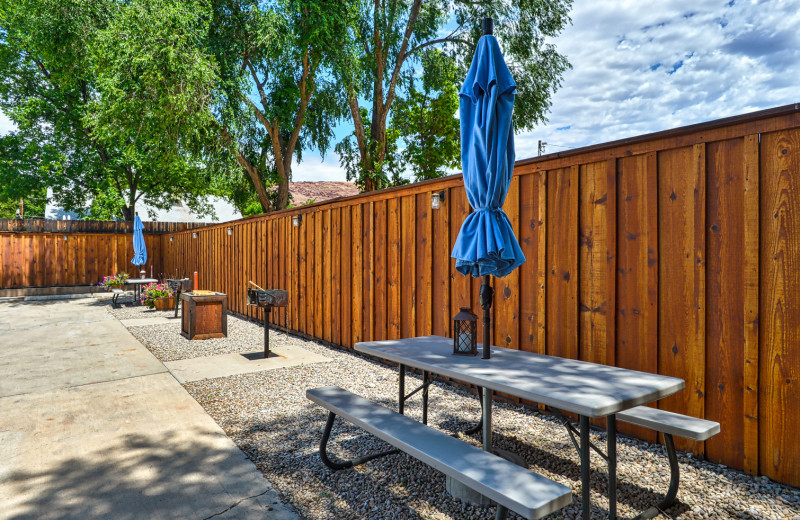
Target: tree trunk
[252,172]
[128,212]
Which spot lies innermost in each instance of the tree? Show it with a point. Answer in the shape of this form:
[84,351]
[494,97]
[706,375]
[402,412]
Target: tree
[392,37]
[105,98]
[281,52]
[425,118]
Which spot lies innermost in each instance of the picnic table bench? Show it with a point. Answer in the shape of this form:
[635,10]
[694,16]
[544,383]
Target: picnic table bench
[116,293]
[510,486]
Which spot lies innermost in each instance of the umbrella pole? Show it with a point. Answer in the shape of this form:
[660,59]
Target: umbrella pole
[487,294]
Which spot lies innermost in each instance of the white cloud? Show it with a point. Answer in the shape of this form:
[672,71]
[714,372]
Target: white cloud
[6,125]
[641,67]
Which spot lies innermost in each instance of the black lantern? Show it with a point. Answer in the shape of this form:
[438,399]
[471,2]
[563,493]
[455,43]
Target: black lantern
[465,333]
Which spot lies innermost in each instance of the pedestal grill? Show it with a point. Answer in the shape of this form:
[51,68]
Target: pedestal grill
[267,299]
[178,286]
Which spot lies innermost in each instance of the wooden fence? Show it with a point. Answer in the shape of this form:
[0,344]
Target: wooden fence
[58,259]
[675,253]
[45,253]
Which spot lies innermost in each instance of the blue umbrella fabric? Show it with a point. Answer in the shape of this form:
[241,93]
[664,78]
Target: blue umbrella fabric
[486,244]
[139,247]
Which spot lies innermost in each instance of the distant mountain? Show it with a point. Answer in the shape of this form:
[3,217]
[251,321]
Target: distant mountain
[303,192]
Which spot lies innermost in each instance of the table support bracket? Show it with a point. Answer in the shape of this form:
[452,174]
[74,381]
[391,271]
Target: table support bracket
[573,432]
[427,379]
[335,465]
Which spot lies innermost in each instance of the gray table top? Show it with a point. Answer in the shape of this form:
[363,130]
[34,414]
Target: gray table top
[141,280]
[567,384]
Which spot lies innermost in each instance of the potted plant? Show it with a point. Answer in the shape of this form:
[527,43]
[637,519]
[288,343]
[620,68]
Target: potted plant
[158,296]
[114,281]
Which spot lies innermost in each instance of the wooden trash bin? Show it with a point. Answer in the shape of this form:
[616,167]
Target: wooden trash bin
[204,316]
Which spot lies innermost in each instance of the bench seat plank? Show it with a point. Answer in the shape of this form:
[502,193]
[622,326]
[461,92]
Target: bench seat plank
[531,495]
[669,422]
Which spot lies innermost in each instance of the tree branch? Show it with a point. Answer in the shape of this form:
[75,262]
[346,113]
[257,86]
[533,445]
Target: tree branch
[437,41]
[401,58]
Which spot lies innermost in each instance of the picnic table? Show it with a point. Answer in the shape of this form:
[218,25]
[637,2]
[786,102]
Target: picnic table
[586,389]
[137,286]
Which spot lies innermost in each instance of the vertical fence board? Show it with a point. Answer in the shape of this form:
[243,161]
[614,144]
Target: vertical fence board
[532,276]
[424,265]
[751,303]
[440,283]
[596,236]
[506,296]
[779,356]
[681,293]
[637,269]
[393,268]
[725,300]
[562,263]
[357,258]
[336,289]
[379,273]
[408,216]
[347,278]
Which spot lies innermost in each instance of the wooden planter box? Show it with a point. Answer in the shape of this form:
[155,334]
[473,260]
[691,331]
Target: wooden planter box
[164,304]
[204,316]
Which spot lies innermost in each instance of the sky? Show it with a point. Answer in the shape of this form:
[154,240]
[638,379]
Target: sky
[645,66]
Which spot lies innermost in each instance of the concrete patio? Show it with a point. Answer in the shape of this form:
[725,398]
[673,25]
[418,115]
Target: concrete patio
[92,425]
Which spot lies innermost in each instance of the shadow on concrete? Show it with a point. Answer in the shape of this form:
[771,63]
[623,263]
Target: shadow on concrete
[155,476]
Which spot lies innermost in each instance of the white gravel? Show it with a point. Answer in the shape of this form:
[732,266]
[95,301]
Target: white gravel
[270,419]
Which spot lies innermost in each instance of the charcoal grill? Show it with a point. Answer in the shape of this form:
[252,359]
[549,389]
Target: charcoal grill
[178,286]
[267,299]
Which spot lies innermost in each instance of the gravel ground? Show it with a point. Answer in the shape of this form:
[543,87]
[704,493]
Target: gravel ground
[269,418]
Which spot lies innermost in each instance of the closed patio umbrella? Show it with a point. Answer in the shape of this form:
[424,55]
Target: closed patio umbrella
[486,245]
[139,247]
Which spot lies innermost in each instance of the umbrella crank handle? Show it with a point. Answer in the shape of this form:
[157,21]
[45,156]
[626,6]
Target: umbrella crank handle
[486,294]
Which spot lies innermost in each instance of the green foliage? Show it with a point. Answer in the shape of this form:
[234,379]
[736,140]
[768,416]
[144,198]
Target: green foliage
[384,173]
[278,95]
[388,42]
[105,95]
[34,205]
[425,118]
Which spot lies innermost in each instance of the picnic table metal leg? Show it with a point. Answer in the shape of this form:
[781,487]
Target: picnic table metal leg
[586,500]
[611,450]
[674,481]
[486,404]
[401,399]
[425,377]
[479,426]
[335,466]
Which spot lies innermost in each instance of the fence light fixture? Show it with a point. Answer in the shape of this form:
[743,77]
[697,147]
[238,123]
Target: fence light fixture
[194,235]
[437,199]
[170,239]
[297,220]
[230,231]
[65,238]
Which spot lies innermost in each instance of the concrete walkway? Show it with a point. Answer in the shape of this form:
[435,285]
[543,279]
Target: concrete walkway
[92,425]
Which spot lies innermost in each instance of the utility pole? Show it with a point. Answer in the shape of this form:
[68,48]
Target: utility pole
[542,144]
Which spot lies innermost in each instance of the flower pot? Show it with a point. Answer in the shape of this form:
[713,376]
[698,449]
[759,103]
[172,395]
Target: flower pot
[164,304]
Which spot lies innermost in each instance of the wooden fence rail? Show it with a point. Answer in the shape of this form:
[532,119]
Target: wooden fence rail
[675,253]
[90,226]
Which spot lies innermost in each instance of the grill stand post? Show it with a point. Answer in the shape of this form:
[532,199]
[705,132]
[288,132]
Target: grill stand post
[267,311]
